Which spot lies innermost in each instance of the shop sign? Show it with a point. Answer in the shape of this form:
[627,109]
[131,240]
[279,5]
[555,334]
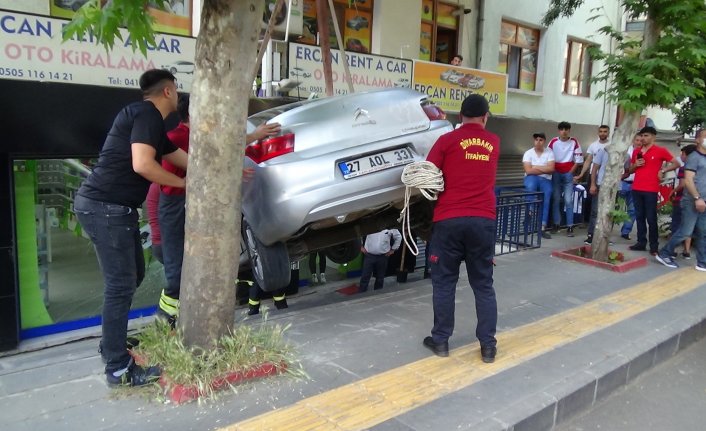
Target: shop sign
[447,85]
[31,49]
[367,72]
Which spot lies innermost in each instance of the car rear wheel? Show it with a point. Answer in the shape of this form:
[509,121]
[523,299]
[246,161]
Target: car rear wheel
[269,264]
[344,252]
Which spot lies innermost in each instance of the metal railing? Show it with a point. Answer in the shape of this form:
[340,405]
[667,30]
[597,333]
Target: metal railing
[518,220]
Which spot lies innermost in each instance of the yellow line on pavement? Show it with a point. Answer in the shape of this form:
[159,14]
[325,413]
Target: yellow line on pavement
[368,402]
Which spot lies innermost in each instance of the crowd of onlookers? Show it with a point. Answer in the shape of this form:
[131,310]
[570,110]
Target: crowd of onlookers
[557,168]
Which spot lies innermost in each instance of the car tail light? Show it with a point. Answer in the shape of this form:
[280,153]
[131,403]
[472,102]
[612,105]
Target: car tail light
[433,112]
[270,148]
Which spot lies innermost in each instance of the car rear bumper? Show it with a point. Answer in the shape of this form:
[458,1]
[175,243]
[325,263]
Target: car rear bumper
[285,197]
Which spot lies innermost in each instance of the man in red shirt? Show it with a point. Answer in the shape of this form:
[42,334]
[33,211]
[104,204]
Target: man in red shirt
[172,214]
[464,226]
[647,164]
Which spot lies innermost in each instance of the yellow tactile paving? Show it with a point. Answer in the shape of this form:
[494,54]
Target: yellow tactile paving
[368,402]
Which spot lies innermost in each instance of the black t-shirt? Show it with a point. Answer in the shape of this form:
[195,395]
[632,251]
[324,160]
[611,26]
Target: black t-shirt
[113,179]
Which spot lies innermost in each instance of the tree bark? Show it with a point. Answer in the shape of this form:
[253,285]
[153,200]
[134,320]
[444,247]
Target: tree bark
[225,56]
[622,138]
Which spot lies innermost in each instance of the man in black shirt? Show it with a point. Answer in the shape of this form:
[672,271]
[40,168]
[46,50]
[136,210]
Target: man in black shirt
[106,206]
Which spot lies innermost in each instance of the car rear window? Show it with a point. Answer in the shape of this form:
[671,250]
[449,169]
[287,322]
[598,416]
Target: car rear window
[267,115]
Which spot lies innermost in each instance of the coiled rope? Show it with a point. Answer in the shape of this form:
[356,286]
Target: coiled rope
[429,180]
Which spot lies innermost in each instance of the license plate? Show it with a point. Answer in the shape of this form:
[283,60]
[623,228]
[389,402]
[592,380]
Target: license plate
[376,162]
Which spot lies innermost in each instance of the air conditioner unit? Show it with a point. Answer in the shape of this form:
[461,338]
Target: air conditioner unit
[292,8]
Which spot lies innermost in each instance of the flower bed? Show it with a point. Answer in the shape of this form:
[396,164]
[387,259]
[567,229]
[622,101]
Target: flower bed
[616,260]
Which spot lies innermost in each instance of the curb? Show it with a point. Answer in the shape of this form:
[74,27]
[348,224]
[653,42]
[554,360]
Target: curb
[179,394]
[560,400]
[622,267]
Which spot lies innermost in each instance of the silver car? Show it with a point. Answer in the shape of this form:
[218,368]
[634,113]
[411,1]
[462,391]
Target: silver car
[331,176]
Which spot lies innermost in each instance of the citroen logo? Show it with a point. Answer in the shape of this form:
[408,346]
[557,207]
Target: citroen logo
[360,112]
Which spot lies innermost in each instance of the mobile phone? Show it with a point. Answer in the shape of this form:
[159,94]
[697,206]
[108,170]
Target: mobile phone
[639,155]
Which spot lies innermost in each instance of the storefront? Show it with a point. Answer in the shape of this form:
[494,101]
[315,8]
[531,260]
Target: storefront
[59,99]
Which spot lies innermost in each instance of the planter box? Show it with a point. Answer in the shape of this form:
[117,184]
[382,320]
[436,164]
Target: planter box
[184,393]
[625,266]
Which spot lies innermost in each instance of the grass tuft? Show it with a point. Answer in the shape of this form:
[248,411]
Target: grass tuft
[246,347]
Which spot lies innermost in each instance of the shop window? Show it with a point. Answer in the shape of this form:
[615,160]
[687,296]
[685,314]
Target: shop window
[355,20]
[519,47]
[439,31]
[577,79]
[61,285]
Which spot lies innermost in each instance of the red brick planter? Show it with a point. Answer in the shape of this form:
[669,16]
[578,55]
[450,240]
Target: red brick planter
[625,266]
[183,393]
[178,393]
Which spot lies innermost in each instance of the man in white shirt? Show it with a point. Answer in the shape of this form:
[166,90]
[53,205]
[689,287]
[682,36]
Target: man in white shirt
[377,247]
[538,163]
[601,142]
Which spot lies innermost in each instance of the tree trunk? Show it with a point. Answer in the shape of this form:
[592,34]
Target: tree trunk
[622,139]
[616,152]
[225,55]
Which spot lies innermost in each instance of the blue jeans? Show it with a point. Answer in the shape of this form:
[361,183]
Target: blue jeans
[535,183]
[115,233]
[691,221]
[626,193]
[172,215]
[563,184]
[470,240]
[646,213]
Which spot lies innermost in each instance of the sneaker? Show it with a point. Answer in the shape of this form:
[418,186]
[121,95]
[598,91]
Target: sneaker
[700,267]
[322,278]
[625,236]
[588,240]
[667,261]
[570,232]
[546,235]
[638,247]
[314,279]
[133,375]
[686,255]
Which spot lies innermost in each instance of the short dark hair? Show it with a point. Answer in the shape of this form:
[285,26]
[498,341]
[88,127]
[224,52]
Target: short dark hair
[564,125]
[604,126]
[183,107]
[460,57]
[154,80]
[688,149]
[648,130]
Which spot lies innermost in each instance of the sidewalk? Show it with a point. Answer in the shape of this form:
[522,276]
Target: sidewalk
[559,352]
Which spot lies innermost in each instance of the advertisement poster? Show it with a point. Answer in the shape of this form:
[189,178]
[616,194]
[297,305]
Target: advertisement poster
[32,50]
[425,42]
[357,33]
[176,19]
[447,86]
[368,72]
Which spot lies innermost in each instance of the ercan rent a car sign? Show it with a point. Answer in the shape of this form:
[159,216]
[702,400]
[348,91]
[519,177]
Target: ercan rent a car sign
[32,50]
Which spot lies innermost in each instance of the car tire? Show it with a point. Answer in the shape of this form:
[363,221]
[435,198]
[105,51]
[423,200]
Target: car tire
[344,252]
[172,70]
[269,263]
